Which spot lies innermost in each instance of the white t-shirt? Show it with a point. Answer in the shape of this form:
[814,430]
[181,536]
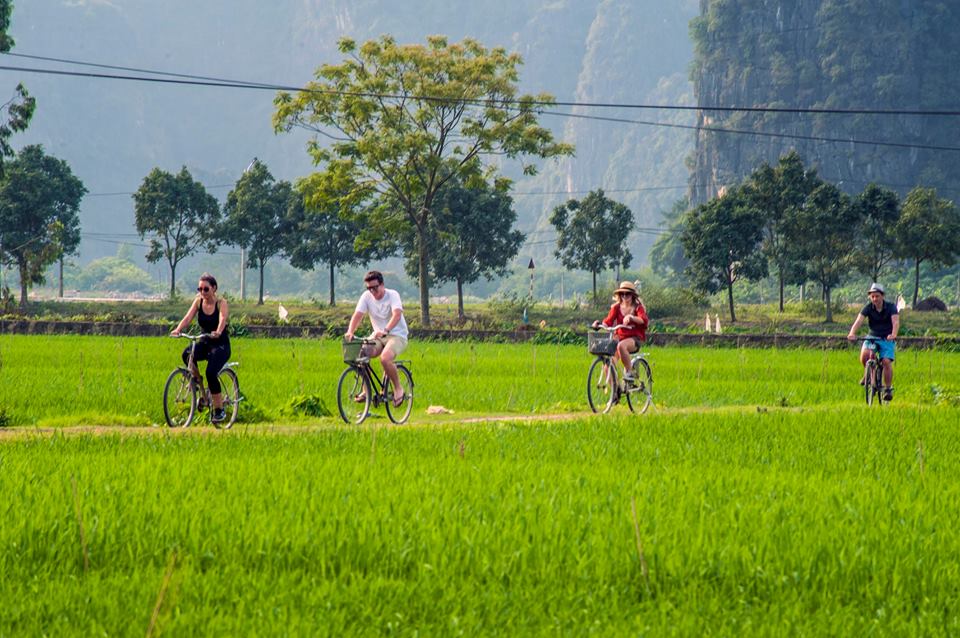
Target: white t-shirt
[381,311]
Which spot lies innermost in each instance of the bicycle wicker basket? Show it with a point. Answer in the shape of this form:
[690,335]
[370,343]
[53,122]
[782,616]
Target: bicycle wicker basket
[352,350]
[601,343]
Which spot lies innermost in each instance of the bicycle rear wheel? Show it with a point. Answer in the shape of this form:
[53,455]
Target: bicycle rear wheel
[230,389]
[179,399]
[640,396]
[602,385]
[353,395]
[399,414]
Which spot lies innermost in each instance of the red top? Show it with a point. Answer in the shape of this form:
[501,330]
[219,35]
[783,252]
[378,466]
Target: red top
[615,317]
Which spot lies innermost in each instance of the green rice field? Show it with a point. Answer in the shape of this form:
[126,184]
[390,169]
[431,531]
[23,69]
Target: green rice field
[758,497]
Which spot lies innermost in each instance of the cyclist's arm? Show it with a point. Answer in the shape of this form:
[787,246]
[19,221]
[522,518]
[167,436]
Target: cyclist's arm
[224,314]
[394,320]
[187,318]
[354,323]
[611,317]
[896,327]
[856,326]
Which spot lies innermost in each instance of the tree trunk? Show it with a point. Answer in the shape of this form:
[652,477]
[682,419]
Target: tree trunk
[780,282]
[424,274]
[60,291]
[22,264]
[916,284]
[263,264]
[460,299]
[173,281]
[333,269]
[595,300]
[826,298]
[733,316]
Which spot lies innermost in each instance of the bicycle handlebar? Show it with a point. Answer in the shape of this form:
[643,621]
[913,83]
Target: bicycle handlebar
[609,328]
[202,335]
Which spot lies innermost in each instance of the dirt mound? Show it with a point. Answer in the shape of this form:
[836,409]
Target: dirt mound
[931,304]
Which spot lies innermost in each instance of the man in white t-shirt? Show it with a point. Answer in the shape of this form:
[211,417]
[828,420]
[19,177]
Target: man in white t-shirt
[389,327]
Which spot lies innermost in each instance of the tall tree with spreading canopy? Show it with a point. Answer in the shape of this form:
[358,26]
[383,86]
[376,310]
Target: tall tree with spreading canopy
[472,232]
[777,193]
[403,120]
[666,256]
[178,214]
[592,234]
[879,211]
[39,214]
[322,235]
[928,231]
[254,217]
[722,240]
[20,106]
[824,234]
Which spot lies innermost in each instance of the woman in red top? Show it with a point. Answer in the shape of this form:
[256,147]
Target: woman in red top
[628,311]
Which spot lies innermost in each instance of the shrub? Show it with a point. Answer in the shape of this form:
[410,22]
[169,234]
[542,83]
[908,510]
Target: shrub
[306,405]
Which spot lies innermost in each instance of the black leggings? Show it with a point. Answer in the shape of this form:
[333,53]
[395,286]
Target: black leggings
[215,356]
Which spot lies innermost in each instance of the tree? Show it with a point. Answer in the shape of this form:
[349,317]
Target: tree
[472,232]
[879,211]
[778,193]
[180,216]
[21,106]
[254,216]
[722,240]
[323,235]
[824,233]
[667,256]
[406,119]
[592,234]
[928,230]
[39,214]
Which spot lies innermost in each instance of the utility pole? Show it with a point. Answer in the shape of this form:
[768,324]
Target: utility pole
[243,273]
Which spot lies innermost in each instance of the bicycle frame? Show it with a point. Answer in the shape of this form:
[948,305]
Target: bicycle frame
[873,372]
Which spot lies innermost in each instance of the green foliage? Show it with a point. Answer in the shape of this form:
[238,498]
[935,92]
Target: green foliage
[667,257]
[722,241]
[5,417]
[306,405]
[592,234]
[928,230]
[255,216]
[945,396]
[179,216]
[39,214]
[114,274]
[562,336]
[410,118]
[876,241]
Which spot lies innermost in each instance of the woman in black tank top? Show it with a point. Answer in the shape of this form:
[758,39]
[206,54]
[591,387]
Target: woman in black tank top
[212,314]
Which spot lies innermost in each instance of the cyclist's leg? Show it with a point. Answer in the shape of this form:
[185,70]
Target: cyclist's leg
[626,347]
[865,354]
[887,354]
[393,348]
[194,370]
[216,358]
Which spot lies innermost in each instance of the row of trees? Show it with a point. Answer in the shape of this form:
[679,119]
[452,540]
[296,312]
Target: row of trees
[469,231]
[785,219]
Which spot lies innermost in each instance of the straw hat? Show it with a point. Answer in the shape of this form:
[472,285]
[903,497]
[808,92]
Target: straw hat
[627,286]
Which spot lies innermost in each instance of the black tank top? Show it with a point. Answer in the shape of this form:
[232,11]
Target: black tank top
[209,323]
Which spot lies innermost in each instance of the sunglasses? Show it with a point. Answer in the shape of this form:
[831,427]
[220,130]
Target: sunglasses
[203,289]
[373,287]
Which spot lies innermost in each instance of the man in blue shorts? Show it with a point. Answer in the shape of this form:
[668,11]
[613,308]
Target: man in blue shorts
[884,322]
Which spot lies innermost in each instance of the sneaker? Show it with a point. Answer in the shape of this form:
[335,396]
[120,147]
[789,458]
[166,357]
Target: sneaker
[888,394]
[863,381]
[219,415]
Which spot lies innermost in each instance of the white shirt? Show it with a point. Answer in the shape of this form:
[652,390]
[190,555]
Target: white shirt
[381,311]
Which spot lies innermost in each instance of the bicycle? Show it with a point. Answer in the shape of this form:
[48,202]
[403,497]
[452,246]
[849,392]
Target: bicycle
[873,373]
[359,386]
[182,393]
[604,385]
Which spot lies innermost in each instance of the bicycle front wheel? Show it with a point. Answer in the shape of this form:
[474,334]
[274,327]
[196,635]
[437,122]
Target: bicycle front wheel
[353,395]
[230,390]
[400,413]
[179,399]
[640,396]
[872,386]
[602,385]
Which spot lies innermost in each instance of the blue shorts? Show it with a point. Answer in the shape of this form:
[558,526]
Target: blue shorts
[887,348]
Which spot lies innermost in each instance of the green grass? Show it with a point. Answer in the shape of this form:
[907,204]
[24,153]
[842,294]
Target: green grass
[819,518]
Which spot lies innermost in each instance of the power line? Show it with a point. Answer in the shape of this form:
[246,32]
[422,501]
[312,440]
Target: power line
[201,80]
